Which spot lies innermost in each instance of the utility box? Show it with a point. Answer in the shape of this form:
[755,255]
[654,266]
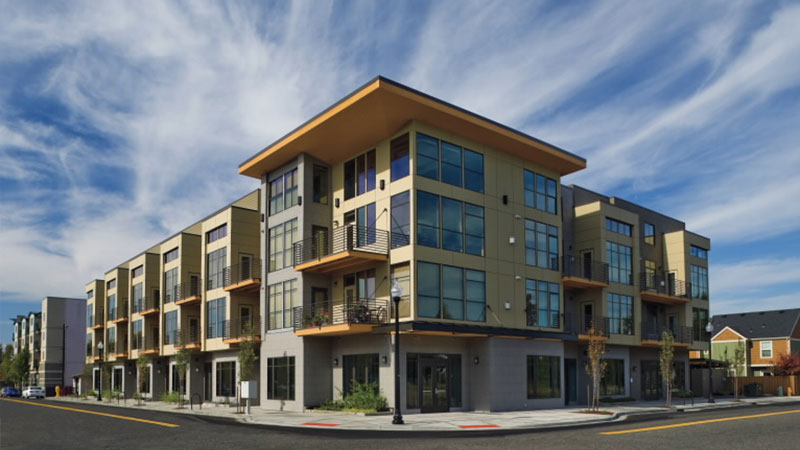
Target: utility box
[249,389]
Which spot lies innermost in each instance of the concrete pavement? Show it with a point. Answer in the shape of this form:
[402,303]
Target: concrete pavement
[452,421]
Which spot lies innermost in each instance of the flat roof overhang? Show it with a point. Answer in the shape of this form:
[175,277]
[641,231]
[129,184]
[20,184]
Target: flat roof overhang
[379,109]
[462,330]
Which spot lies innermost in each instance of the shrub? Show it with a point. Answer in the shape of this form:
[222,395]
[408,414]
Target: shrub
[170,397]
[107,394]
[364,398]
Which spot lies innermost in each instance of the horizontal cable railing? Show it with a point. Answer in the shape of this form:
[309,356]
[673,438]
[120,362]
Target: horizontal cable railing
[367,311]
[137,342]
[171,293]
[585,268]
[121,346]
[241,328]
[190,288]
[587,322]
[119,311]
[654,332]
[146,304]
[189,336]
[245,271]
[171,337]
[342,239]
[151,343]
[664,284]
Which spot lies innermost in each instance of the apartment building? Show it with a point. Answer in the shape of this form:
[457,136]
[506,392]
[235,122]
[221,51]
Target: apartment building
[54,338]
[197,289]
[502,268]
[763,335]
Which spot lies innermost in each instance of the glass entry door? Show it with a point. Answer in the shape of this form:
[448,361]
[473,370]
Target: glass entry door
[434,385]
[651,381]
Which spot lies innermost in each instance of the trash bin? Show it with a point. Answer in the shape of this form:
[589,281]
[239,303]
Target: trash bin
[753,390]
[780,391]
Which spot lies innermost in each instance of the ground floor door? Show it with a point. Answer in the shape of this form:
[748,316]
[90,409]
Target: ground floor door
[434,374]
[207,382]
[571,379]
[651,380]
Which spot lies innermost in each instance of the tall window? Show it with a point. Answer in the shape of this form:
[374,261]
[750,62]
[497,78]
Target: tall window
[171,255]
[171,326]
[615,226]
[613,380]
[699,252]
[399,154]
[216,262]
[649,234]
[448,227]
[401,274]
[473,171]
[112,340]
[359,369]
[649,274]
[544,376]
[88,344]
[226,378]
[281,242]
[283,192]
[541,245]
[541,192]
[543,304]
[451,164]
[90,315]
[171,285]
[320,184]
[619,259]
[699,281]
[112,307]
[449,292]
[217,233]
[137,335]
[138,295]
[766,349]
[401,226]
[283,299]
[359,175]
[455,165]
[216,318]
[699,321]
[280,378]
[620,309]
[90,295]
[137,272]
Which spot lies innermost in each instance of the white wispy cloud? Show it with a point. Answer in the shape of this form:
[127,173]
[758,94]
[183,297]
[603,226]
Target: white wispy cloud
[753,275]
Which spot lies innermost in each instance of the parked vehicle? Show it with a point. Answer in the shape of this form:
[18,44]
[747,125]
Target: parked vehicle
[33,392]
[9,392]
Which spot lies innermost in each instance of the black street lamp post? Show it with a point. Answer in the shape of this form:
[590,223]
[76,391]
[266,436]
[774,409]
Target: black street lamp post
[100,371]
[709,330]
[397,293]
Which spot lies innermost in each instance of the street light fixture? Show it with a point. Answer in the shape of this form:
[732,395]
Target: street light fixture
[709,330]
[100,371]
[397,294]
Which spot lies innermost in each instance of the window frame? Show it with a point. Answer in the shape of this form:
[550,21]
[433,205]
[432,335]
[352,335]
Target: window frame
[616,320]
[399,157]
[649,233]
[468,298]
[765,348]
[217,233]
[551,258]
[615,267]
[290,371]
[536,291]
[540,191]
[553,376]
[619,227]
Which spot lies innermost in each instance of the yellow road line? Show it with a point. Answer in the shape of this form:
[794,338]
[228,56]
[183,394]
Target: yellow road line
[116,416]
[701,422]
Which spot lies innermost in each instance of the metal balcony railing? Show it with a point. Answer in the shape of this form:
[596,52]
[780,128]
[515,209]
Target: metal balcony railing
[119,311]
[366,311]
[653,332]
[111,348]
[121,346]
[585,268]
[171,337]
[664,284]
[189,288]
[241,328]
[189,336]
[145,304]
[342,239]
[137,342]
[247,270]
[151,343]
[586,322]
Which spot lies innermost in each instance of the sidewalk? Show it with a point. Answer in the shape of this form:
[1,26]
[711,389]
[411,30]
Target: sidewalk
[452,421]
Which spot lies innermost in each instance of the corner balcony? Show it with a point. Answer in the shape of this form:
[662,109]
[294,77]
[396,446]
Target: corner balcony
[189,292]
[96,321]
[146,305]
[585,323]
[652,335]
[580,273]
[666,290]
[186,338]
[118,314]
[244,277]
[236,330]
[342,249]
[341,318]
[145,346]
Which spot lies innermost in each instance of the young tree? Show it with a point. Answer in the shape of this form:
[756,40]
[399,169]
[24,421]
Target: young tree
[182,359]
[6,364]
[786,364]
[597,365]
[141,373]
[736,363]
[247,357]
[86,379]
[666,362]
[20,368]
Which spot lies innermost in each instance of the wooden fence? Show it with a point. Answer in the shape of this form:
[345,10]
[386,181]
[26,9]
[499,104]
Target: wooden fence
[770,384]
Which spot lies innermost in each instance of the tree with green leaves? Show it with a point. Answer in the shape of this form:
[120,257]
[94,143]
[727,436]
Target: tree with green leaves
[141,374]
[21,367]
[667,362]
[6,364]
[735,364]
[597,365]
[247,357]
[86,379]
[182,359]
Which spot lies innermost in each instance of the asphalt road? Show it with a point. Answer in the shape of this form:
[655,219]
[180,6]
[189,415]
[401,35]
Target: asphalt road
[23,425]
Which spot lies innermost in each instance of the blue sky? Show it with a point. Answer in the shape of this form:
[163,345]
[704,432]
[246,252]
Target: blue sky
[109,111]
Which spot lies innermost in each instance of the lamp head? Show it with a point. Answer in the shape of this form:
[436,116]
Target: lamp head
[709,327]
[397,290]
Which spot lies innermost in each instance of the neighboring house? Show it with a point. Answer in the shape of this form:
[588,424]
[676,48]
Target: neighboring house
[27,335]
[764,334]
[503,272]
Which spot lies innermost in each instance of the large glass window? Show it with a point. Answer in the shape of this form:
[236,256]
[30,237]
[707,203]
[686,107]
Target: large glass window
[699,281]
[613,380]
[449,292]
[620,310]
[544,376]
[216,263]
[699,321]
[320,184]
[226,379]
[359,369]
[216,318]
[649,274]
[541,245]
[113,283]
[615,226]
[217,233]
[112,307]
[112,340]
[428,227]
[169,256]
[474,230]
[473,171]
[283,192]
[281,245]
[137,335]
[399,150]
[138,295]
[649,234]
[171,285]
[452,225]
[699,252]
[171,328]
[427,156]
[282,299]
[451,164]
[401,220]
[137,272]
[619,258]
[280,378]
[543,303]
[459,166]
[359,175]
[455,218]
[541,192]
[401,274]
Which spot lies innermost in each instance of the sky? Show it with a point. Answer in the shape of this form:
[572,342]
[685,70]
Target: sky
[124,122]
